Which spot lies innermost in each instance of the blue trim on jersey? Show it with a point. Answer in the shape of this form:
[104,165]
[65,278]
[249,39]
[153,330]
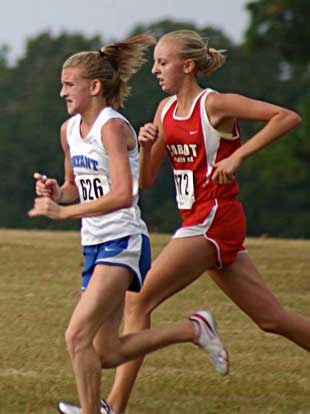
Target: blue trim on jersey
[144,264]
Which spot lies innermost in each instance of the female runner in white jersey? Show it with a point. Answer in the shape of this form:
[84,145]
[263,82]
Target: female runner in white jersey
[199,131]
[101,169]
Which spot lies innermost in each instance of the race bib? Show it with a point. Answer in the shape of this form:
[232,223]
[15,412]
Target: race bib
[184,185]
[92,187]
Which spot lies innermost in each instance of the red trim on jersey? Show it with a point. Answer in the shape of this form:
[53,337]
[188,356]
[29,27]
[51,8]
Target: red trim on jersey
[187,150]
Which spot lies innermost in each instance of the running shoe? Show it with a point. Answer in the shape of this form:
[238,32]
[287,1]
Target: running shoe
[207,339]
[65,408]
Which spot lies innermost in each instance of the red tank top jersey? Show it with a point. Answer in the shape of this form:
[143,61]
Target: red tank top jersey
[193,145]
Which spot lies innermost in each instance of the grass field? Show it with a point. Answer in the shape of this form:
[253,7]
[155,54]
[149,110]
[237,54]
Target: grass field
[39,286]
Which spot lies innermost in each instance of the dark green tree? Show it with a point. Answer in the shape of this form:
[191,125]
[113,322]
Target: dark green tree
[282,24]
[30,120]
[278,35]
[274,182]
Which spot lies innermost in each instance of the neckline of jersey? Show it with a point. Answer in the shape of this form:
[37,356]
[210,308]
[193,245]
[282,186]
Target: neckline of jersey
[184,118]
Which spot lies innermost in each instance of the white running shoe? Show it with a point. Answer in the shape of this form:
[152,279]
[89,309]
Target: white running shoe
[65,408]
[207,339]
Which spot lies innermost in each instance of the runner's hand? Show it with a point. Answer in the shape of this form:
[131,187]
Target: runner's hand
[47,187]
[148,135]
[225,171]
[45,206]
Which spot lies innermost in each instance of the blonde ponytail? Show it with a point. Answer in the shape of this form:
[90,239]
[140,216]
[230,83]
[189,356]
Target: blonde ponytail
[190,45]
[113,65]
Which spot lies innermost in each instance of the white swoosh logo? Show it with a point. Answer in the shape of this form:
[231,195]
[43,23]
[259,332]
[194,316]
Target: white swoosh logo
[192,132]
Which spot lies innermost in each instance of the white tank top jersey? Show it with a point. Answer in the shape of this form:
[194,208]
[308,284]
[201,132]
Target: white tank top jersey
[90,163]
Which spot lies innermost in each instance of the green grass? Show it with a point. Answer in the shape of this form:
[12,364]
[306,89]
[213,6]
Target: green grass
[39,287]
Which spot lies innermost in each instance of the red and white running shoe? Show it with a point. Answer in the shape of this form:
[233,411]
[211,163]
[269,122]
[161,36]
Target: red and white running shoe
[207,339]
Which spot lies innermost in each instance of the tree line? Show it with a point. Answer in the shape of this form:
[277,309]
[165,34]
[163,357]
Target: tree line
[272,64]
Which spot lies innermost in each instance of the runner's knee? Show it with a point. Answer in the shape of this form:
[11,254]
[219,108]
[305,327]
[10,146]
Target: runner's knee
[271,320]
[110,358]
[76,339]
[137,307]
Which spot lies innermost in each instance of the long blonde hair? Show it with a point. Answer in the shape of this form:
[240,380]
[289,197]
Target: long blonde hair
[190,45]
[113,65]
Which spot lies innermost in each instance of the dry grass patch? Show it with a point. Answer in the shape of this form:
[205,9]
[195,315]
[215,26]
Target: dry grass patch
[39,286]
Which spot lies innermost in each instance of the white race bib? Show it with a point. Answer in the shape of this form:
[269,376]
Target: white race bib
[92,187]
[184,185]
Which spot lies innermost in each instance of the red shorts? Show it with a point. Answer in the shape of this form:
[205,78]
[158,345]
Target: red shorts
[225,227]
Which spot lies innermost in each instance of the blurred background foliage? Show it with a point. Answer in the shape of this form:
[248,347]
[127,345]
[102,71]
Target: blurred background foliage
[272,64]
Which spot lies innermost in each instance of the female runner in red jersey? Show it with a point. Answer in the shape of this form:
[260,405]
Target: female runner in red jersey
[199,130]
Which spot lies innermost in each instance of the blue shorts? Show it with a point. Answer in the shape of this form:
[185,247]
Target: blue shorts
[133,252]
